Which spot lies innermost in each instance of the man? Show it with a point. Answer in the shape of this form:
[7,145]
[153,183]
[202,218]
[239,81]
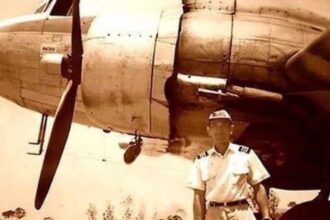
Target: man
[221,176]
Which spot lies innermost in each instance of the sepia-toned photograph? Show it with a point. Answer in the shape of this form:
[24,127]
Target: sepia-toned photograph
[165,110]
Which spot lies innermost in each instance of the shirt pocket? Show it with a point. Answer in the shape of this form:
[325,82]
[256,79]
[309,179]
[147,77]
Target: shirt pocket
[239,174]
[209,173]
[209,179]
[208,176]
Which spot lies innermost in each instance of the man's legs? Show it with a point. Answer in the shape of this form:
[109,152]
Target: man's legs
[240,212]
[216,213]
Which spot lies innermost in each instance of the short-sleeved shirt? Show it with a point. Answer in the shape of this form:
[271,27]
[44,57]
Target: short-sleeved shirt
[226,178]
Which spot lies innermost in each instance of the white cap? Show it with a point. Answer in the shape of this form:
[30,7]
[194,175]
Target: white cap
[221,114]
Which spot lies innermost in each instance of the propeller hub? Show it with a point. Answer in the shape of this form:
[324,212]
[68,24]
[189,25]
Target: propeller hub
[66,67]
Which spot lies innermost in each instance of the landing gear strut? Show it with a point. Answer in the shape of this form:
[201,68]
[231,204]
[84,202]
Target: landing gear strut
[41,136]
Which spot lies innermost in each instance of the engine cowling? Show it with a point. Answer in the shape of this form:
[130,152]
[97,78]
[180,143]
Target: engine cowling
[127,60]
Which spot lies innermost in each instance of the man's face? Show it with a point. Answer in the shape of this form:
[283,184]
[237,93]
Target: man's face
[220,129]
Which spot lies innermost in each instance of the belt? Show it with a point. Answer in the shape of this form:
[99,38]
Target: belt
[217,204]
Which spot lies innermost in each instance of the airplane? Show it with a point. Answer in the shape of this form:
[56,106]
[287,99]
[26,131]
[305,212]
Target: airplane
[158,68]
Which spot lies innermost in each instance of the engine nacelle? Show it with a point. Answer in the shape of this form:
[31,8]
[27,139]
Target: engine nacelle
[127,60]
[245,42]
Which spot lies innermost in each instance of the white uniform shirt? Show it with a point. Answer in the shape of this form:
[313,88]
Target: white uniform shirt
[225,178]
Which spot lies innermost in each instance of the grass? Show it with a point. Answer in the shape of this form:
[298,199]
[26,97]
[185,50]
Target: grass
[125,211]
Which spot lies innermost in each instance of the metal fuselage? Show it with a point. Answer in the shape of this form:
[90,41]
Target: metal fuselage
[142,69]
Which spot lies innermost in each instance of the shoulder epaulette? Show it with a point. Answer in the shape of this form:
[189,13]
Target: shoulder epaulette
[244,149]
[204,154]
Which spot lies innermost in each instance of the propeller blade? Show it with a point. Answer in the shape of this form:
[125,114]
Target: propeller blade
[308,210]
[58,138]
[64,114]
[76,43]
[309,67]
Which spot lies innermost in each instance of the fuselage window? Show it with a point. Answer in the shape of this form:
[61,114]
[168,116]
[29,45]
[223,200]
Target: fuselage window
[61,8]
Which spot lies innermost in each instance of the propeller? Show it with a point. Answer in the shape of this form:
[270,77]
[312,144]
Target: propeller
[64,113]
[309,67]
[315,210]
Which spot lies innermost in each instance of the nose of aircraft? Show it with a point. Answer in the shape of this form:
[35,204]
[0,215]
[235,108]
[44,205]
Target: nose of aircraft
[9,73]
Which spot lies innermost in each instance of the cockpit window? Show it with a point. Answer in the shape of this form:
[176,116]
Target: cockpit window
[70,11]
[61,8]
[48,4]
[41,7]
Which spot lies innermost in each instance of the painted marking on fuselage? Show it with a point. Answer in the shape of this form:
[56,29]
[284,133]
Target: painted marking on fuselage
[48,48]
[57,38]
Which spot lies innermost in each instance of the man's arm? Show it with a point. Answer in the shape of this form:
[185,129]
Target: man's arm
[199,205]
[261,198]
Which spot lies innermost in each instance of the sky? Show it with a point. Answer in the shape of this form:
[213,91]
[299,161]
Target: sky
[17,7]
[91,170]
